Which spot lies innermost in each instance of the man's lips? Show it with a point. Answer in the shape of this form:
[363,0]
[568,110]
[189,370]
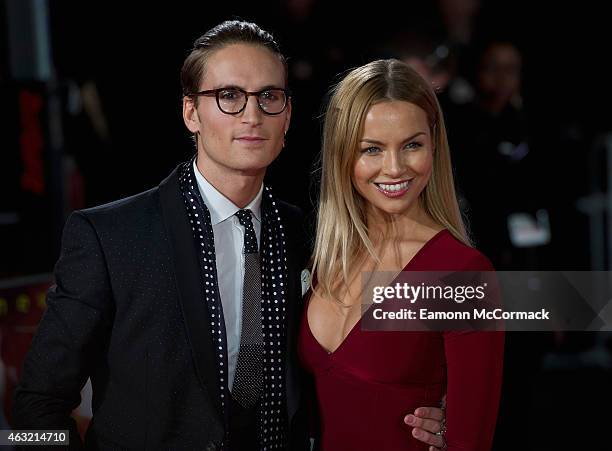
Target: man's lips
[251,138]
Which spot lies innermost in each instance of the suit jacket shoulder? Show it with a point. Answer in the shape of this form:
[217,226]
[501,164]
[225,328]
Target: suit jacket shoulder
[125,213]
[298,236]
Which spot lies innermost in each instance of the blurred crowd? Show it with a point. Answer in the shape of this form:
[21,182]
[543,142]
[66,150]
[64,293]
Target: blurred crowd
[528,148]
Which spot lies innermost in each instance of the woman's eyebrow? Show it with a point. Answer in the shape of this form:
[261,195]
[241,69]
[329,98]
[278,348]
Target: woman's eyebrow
[374,141]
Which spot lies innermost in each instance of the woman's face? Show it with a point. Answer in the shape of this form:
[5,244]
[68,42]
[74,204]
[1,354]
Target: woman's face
[395,157]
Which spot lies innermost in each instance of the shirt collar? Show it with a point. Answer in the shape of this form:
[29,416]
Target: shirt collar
[219,206]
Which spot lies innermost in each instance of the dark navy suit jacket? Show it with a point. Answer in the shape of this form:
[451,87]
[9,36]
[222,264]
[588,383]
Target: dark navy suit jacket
[127,311]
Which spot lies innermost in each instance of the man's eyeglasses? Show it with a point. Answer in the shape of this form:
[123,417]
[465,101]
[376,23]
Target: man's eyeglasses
[234,100]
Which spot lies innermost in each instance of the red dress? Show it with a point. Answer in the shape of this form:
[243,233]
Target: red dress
[374,378]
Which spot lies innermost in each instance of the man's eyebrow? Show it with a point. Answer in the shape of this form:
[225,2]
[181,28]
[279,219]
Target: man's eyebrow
[225,86]
[271,87]
[264,88]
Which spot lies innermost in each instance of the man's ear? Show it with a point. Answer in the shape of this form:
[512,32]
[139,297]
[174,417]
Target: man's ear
[190,114]
[288,116]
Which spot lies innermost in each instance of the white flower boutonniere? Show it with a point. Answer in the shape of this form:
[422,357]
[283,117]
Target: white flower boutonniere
[305,279]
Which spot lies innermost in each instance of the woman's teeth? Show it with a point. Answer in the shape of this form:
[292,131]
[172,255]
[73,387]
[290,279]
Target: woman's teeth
[394,187]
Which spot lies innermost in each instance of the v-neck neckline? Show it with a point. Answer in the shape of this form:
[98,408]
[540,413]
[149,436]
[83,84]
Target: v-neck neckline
[350,333]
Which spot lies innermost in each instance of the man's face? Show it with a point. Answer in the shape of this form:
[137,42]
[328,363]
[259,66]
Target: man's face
[499,76]
[244,143]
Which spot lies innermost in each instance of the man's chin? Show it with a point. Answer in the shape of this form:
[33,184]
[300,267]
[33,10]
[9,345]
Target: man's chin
[253,161]
[254,169]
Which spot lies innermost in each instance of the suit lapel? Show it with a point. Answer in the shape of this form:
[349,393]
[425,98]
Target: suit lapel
[293,393]
[294,309]
[188,279]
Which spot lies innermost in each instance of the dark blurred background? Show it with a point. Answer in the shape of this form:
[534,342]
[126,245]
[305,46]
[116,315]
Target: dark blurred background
[90,111]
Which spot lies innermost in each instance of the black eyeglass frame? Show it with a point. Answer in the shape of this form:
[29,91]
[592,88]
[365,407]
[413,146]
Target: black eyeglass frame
[215,93]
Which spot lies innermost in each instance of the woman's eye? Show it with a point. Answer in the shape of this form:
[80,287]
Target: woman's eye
[370,150]
[413,145]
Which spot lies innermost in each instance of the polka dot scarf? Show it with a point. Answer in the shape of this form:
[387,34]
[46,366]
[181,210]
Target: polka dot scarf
[272,406]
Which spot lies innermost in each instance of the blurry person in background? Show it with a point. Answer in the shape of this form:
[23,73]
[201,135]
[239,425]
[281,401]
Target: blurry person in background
[499,78]
[507,207]
[426,53]
[437,47]
[458,17]
[460,20]
[508,220]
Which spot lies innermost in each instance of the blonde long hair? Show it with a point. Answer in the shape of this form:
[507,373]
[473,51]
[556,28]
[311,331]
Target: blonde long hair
[342,231]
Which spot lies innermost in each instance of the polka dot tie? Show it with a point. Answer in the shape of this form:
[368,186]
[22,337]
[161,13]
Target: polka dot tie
[248,381]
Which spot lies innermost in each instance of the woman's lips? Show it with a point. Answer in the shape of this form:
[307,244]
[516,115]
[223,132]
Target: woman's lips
[394,189]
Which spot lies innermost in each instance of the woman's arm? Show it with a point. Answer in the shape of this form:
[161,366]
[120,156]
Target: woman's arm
[474,376]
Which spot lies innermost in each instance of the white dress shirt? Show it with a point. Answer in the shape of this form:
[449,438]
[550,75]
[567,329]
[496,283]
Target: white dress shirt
[229,244]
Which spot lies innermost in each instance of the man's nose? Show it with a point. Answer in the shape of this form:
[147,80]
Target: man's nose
[252,113]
